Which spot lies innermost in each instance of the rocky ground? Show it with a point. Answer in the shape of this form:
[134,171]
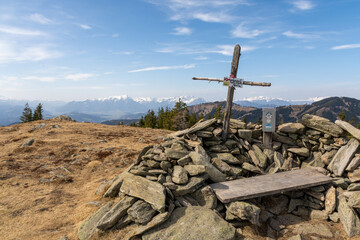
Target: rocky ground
[49,187]
[56,174]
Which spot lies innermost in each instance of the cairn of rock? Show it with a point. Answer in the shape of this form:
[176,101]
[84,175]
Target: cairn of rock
[165,193]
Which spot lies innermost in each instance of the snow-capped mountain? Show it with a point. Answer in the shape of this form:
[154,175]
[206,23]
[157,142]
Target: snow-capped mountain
[261,101]
[117,106]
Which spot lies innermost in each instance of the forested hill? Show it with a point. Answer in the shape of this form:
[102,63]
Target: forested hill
[329,108]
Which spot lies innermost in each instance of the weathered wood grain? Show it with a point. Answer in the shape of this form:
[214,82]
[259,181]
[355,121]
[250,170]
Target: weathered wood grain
[264,185]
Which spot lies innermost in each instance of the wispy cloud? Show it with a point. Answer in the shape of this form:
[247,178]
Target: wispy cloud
[41,79]
[346,46]
[79,76]
[20,31]
[292,34]
[84,26]
[201,58]
[205,10]
[228,50]
[242,31]
[36,17]
[303,4]
[10,52]
[186,66]
[182,31]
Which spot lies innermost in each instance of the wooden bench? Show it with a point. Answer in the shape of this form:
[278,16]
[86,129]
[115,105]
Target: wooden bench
[264,185]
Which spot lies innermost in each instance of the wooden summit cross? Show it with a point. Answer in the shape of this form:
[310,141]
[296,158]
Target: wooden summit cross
[232,82]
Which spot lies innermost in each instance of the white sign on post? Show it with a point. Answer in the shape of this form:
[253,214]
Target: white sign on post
[268,119]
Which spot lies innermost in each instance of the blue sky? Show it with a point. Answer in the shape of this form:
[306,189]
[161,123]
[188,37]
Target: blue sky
[74,50]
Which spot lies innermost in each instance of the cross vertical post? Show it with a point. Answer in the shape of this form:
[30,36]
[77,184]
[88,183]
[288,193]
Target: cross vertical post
[231,89]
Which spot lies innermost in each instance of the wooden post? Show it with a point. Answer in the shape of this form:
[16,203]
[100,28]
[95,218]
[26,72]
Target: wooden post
[267,140]
[230,95]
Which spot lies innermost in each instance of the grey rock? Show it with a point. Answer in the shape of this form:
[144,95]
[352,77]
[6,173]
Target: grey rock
[115,213]
[152,164]
[184,161]
[204,134]
[319,215]
[354,200]
[260,156]
[141,212]
[192,223]
[291,128]
[113,190]
[155,221]
[296,237]
[348,218]
[330,200]
[343,157]
[237,124]
[294,203]
[193,184]
[279,138]
[88,227]
[321,230]
[28,143]
[322,124]
[328,156]
[245,133]
[219,149]
[197,127]
[221,165]
[354,176]
[334,217]
[354,187]
[304,152]
[251,168]
[205,197]
[194,170]
[62,118]
[354,164]
[349,128]
[180,175]
[149,191]
[228,158]
[165,165]
[200,157]
[278,159]
[175,154]
[245,211]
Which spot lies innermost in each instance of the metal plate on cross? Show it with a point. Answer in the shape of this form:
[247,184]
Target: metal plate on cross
[226,83]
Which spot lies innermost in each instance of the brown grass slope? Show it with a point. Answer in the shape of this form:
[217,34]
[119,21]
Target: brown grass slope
[48,188]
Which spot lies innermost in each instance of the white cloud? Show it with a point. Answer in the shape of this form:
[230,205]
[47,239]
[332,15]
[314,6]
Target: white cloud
[291,34]
[211,17]
[303,4]
[21,31]
[182,31]
[228,50]
[84,26]
[186,66]
[41,79]
[201,58]
[39,18]
[346,46]
[10,52]
[243,32]
[204,10]
[79,76]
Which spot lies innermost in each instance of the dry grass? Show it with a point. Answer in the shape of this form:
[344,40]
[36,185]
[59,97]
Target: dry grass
[46,188]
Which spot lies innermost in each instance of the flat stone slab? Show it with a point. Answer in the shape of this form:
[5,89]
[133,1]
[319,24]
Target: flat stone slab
[270,184]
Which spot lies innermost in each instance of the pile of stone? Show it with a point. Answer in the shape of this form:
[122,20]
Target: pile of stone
[166,192]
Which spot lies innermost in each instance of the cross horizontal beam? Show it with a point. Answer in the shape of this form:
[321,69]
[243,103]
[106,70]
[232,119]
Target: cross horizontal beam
[239,81]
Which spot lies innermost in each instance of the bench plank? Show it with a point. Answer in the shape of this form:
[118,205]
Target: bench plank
[269,184]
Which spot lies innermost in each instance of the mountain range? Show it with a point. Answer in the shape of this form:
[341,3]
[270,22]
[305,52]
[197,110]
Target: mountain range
[125,107]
